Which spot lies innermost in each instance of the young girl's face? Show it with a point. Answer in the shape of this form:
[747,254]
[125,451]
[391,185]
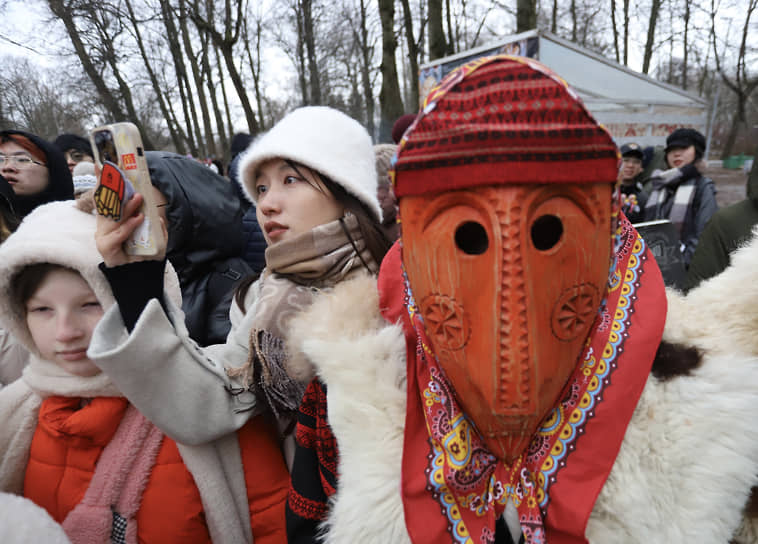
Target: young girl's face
[61,315]
[291,203]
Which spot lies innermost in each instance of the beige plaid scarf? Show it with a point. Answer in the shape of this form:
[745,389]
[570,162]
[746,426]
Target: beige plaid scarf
[295,271]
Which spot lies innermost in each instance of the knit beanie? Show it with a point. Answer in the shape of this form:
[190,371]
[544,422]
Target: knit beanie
[384,154]
[685,137]
[503,120]
[66,141]
[401,125]
[323,139]
[240,142]
[84,177]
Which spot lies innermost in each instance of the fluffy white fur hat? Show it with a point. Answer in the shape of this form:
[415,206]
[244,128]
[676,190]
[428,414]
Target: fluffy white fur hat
[323,139]
[57,233]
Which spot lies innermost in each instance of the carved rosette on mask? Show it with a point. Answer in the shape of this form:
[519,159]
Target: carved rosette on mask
[505,185]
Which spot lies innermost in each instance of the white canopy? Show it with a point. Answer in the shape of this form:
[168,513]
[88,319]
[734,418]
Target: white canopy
[632,106]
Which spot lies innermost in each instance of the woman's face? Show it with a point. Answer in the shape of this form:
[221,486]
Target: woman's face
[681,156]
[25,180]
[291,203]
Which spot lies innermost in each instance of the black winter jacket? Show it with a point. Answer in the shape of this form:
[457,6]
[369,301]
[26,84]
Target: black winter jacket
[205,241]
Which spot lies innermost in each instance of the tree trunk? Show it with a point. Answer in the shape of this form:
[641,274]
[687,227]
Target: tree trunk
[207,77]
[626,32]
[554,18]
[574,32]
[300,53]
[437,45]
[365,53]
[310,48]
[174,130]
[106,96]
[686,44]
[452,37]
[650,42]
[208,144]
[172,36]
[255,67]
[615,31]
[228,111]
[526,15]
[412,52]
[390,100]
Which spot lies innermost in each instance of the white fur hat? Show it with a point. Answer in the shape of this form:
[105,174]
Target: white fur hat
[57,233]
[323,139]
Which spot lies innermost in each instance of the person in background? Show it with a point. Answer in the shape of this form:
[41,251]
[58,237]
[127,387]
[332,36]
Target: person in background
[205,240]
[84,177]
[313,179]
[728,229]
[75,446]
[13,356]
[75,148]
[387,200]
[35,169]
[401,125]
[8,219]
[255,242]
[633,195]
[682,194]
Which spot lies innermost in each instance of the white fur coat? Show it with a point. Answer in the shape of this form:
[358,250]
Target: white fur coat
[688,460]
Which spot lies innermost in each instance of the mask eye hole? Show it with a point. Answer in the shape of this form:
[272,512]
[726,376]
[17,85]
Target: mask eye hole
[471,238]
[547,231]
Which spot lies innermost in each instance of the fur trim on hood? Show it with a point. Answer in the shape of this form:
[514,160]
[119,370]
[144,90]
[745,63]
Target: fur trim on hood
[57,233]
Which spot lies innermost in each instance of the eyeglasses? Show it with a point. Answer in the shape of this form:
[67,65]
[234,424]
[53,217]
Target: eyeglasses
[76,156]
[21,161]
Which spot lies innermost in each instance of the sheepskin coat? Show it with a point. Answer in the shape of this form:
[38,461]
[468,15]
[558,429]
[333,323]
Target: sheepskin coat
[688,460]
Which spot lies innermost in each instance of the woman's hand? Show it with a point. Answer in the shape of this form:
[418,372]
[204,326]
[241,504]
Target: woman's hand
[110,235]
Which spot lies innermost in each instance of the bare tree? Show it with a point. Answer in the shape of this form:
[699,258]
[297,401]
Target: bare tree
[390,99]
[175,131]
[413,49]
[225,39]
[742,84]
[526,15]
[437,43]
[650,42]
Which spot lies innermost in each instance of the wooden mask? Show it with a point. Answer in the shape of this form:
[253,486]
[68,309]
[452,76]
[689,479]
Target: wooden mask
[509,280]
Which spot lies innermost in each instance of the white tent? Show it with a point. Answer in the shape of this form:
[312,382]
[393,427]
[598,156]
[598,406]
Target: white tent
[632,106]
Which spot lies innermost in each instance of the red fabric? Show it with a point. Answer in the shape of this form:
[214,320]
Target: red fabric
[267,480]
[64,452]
[623,340]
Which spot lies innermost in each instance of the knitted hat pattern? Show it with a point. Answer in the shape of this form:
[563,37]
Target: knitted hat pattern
[323,139]
[502,120]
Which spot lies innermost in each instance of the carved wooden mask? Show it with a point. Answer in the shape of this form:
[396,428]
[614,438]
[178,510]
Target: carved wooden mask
[508,280]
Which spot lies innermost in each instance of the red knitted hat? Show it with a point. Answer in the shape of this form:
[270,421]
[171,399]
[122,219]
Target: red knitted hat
[501,120]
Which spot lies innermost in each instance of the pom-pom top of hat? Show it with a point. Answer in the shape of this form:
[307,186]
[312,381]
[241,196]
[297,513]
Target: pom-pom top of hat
[323,139]
[503,120]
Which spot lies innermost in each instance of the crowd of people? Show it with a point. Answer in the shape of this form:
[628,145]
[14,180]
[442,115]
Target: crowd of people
[341,341]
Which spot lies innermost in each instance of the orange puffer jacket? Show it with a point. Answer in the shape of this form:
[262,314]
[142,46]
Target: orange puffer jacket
[70,438]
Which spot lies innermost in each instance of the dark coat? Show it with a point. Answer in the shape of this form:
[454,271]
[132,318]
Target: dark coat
[702,207]
[205,241]
[727,230]
[60,184]
[255,244]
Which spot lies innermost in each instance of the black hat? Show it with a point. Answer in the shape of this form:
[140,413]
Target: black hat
[632,150]
[65,142]
[685,137]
